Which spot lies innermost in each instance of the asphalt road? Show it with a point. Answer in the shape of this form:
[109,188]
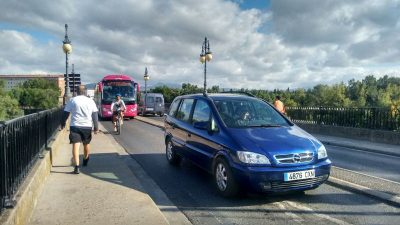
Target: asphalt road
[374,164]
[369,163]
[192,191]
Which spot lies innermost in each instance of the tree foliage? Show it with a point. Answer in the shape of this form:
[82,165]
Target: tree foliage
[9,107]
[368,92]
[37,94]
[186,89]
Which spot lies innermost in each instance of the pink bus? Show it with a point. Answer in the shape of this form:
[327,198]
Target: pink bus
[109,87]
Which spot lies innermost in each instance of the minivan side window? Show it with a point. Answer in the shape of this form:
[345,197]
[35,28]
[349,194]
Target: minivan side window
[184,110]
[174,107]
[201,112]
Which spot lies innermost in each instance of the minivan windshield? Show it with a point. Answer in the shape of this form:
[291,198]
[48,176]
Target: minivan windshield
[248,112]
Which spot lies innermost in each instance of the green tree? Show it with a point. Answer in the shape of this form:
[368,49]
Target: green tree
[368,92]
[371,91]
[37,93]
[9,108]
[2,91]
[300,97]
[190,89]
[168,93]
[213,89]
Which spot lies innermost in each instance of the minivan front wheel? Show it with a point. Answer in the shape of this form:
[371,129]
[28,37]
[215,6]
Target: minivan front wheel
[172,157]
[224,180]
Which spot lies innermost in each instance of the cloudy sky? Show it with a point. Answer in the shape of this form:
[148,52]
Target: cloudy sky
[255,43]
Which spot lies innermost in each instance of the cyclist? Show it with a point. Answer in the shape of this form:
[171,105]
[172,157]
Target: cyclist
[116,106]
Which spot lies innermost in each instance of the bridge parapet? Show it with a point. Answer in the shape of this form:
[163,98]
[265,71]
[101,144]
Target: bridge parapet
[22,142]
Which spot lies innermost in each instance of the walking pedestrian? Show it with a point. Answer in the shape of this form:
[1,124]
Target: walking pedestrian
[84,117]
[279,104]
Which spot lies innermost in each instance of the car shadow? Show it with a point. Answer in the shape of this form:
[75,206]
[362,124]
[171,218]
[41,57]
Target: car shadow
[192,189]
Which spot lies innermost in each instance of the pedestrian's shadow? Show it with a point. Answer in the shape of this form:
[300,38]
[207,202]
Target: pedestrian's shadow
[106,132]
[111,168]
[62,172]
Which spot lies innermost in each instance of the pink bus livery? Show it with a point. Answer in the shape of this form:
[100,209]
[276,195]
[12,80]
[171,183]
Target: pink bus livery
[109,87]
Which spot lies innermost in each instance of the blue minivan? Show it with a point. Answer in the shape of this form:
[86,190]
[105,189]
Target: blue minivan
[245,143]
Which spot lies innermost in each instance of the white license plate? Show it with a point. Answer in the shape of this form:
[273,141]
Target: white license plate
[299,175]
[149,109]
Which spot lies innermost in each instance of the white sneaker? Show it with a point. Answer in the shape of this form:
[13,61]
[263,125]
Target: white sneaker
[115,129]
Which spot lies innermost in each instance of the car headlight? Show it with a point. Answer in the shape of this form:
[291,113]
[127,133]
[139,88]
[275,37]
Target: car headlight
[252,158]
[322,152]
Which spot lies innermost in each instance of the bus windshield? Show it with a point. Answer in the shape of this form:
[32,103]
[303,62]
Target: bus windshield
[125,88]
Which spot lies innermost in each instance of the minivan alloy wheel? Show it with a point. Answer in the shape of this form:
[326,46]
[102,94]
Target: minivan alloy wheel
[221,177]
[169,150]
[172,157]
[225,182]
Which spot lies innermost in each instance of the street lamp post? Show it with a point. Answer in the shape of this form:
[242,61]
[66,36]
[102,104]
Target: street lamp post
[73,81]
[67,48]
[205,57]
[146,78]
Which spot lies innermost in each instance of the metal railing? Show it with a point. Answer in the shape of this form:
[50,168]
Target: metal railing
[370,118]
[21,142]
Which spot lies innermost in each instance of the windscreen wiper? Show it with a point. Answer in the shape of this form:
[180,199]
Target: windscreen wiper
[266,125]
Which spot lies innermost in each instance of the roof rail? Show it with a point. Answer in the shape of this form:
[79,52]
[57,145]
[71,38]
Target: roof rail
[239,92]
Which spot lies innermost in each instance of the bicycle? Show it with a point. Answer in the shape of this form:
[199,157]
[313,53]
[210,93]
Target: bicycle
[118,122]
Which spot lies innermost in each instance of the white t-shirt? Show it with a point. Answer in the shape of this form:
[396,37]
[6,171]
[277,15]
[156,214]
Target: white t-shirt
[116,104]
[81,109]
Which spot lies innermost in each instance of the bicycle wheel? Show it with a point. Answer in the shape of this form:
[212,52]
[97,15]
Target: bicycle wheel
[118,125]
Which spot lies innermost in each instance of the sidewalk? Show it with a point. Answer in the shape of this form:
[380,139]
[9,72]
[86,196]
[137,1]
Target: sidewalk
[105,192]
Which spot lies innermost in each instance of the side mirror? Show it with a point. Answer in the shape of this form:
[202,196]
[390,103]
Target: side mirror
[207,125]
[201,125]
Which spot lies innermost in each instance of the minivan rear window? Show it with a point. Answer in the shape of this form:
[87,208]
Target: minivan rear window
[184,110]
[159,100]
[149,100]
[174,107]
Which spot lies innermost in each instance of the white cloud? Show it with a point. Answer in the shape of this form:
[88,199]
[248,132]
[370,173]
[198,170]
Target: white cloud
[308,42]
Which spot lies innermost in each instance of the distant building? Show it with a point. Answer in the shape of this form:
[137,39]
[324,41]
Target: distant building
[90,90]
[12,81]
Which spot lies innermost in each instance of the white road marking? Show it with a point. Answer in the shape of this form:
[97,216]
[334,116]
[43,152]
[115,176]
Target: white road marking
[326,217]
[290,214]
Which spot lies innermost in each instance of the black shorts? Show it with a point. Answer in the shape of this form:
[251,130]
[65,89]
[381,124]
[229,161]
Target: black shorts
[80,134]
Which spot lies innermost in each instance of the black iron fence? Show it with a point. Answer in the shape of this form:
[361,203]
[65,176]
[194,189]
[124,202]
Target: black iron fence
[31,111]
[21,142]
[370,118]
